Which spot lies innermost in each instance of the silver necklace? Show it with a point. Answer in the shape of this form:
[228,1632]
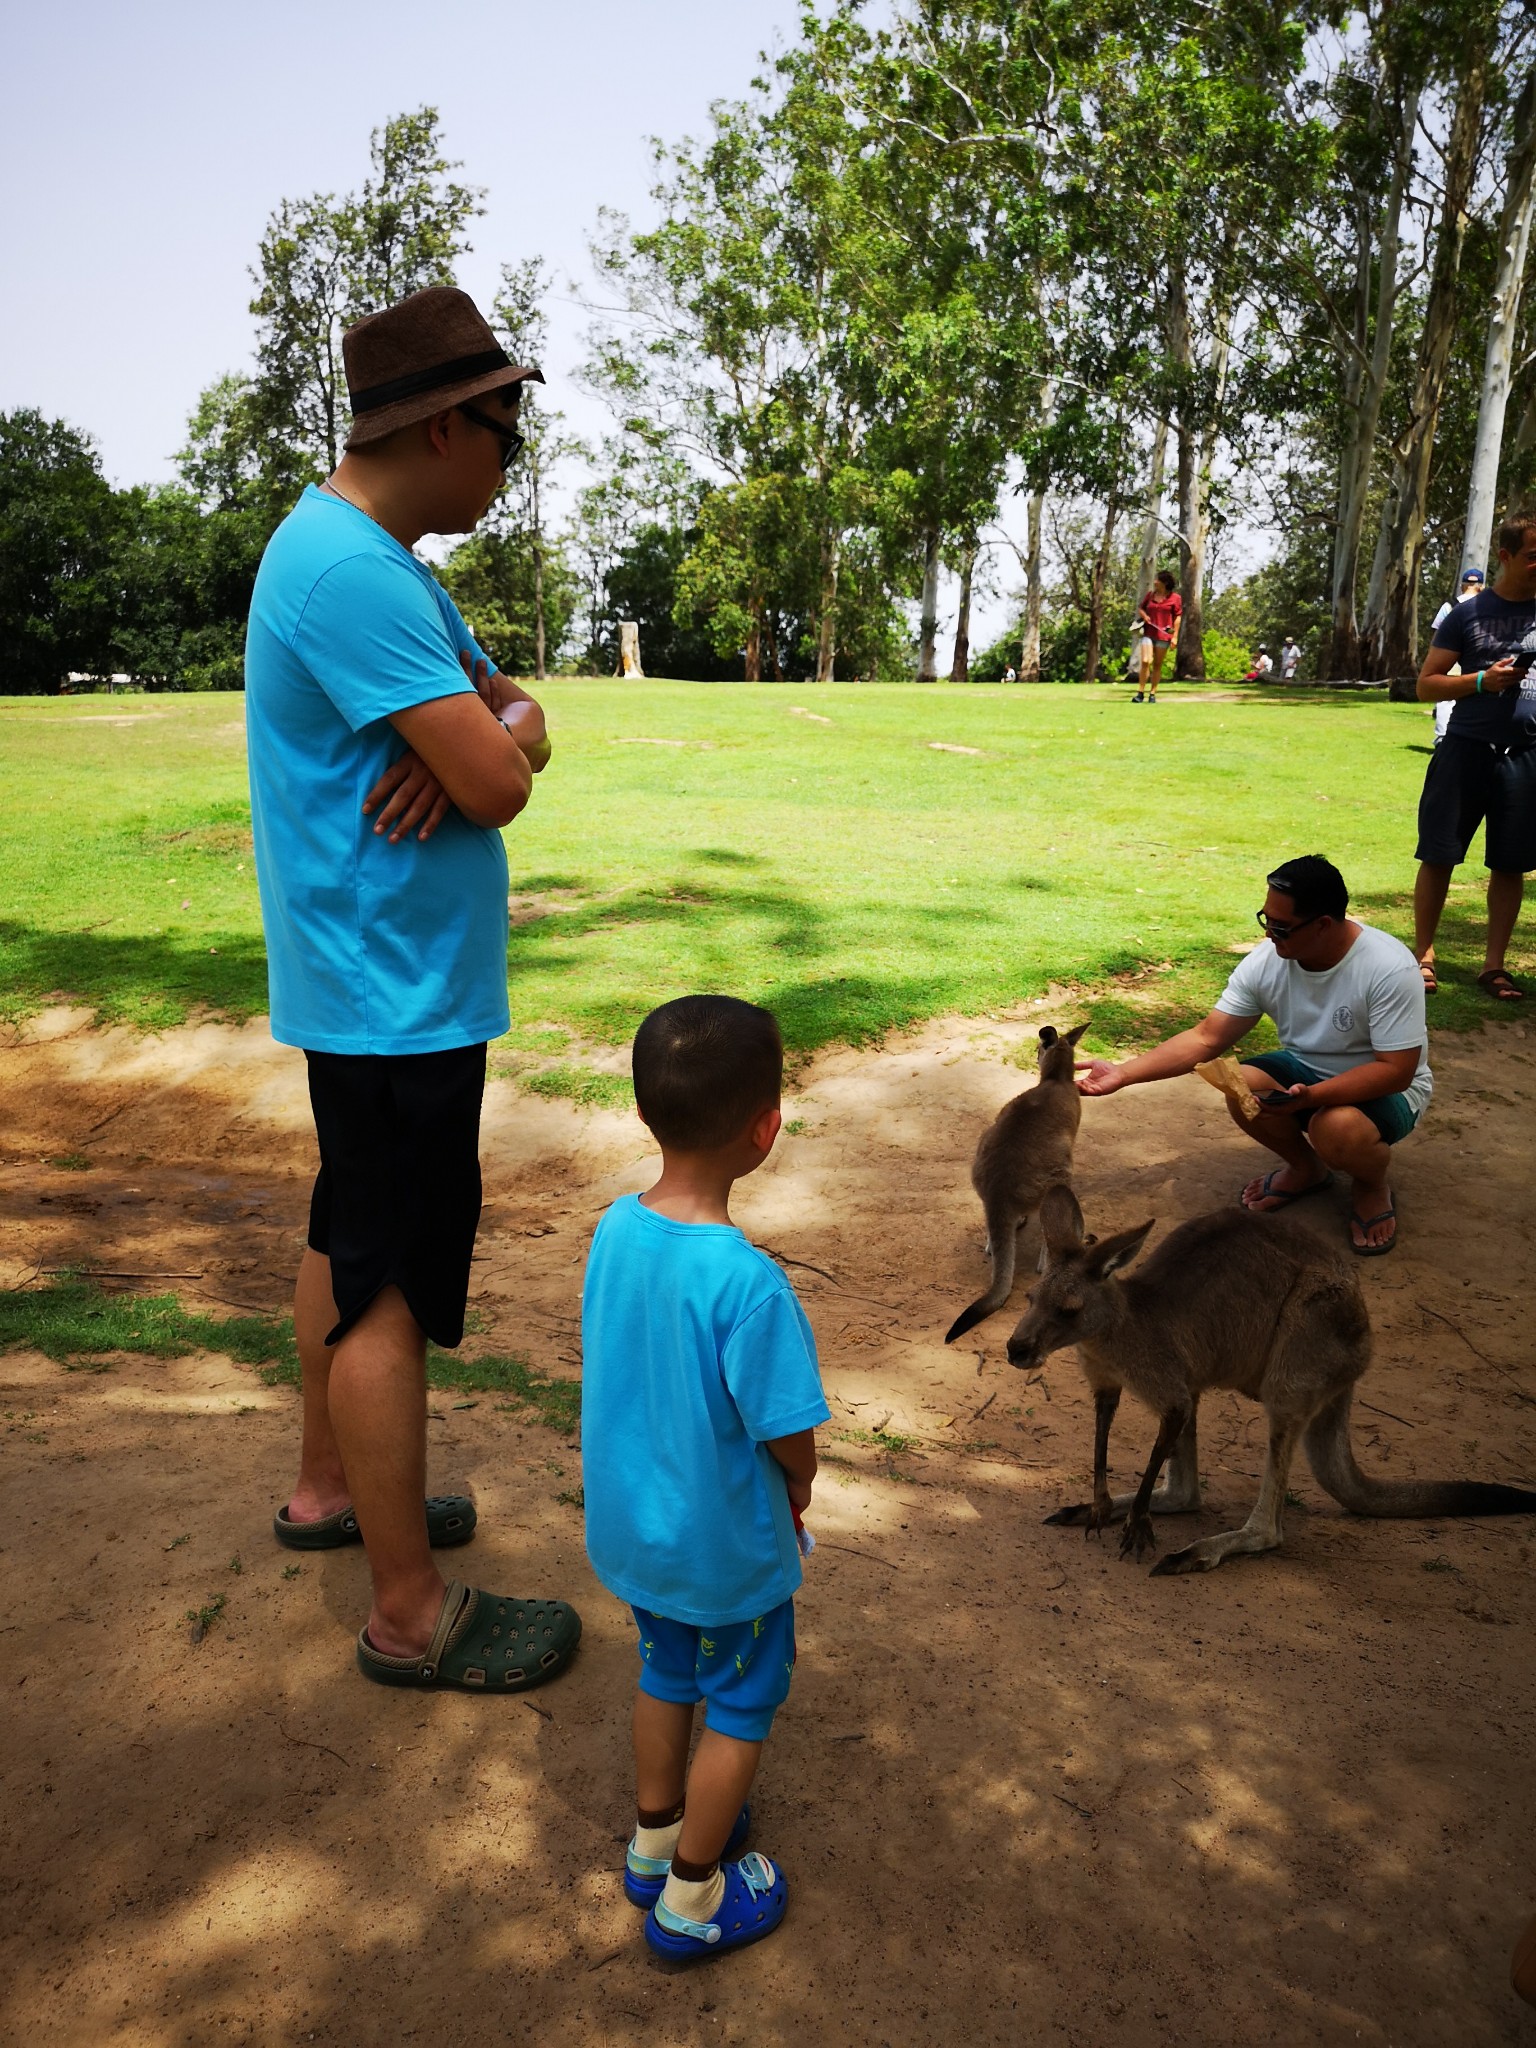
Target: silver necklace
[329,486]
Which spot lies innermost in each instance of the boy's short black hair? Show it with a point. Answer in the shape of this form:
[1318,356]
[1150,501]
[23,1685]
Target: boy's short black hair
[1314,885]
[704,1067]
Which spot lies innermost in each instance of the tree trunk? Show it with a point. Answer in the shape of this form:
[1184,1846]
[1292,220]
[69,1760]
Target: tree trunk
[1389,643]
[1503,321]
[1522,462]
[1365,383]
[1181,348]
[1029,650]
[754,657]
[538,580]
[927,654]
[826,649]
[1096,582]
[773,648]
[1152,532]
[960,663]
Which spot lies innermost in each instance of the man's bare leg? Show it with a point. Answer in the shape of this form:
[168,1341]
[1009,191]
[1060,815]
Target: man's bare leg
[1429,893]
[1279,1131]
[378,1410]
[322,1483]
[1347,1139]
[1506,892]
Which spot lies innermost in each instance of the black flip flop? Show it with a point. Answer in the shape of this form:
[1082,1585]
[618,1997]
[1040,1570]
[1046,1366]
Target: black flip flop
[1374,1251]
[450,1521]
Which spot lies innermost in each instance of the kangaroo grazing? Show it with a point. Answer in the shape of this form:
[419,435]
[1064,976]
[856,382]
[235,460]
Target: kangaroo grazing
[1026,1149]
[1252,1302]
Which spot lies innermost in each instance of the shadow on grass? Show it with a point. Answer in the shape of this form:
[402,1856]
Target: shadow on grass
[151,980]
[80,1325]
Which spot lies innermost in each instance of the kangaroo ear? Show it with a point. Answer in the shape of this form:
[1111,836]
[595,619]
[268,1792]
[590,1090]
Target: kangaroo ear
[1047,1035]
[1061,1220]
[1117,1251]
[1077,1031]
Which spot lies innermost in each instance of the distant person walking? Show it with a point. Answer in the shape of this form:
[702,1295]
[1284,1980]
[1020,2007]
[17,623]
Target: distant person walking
[1290,660]
[1485,768]
[385,754]
[1161,612]
[1471,584]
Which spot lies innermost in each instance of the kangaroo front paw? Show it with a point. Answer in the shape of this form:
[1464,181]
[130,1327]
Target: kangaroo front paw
[1138,1537]
[1076,1517]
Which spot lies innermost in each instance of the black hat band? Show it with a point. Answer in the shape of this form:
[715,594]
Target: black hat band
[431,379]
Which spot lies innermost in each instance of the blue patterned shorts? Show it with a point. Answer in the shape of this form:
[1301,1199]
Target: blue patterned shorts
[741,1671]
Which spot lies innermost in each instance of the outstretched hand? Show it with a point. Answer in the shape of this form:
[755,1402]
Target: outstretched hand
[1097,1077]
[411,795]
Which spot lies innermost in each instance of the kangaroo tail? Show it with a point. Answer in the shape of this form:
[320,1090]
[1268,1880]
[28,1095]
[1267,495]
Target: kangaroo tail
[1002,1234]
[1332,1459]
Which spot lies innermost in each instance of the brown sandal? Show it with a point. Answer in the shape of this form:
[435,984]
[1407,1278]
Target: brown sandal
[1495,982]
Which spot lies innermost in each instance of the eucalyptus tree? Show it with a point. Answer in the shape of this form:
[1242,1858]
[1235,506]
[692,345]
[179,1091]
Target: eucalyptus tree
[322,263]
[1513,247]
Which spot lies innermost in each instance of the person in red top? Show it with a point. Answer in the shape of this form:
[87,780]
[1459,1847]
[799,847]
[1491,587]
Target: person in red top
[1160,612]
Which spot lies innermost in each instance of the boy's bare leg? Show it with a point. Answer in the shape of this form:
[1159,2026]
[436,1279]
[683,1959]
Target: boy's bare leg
[322,1483]
[718,1784]
[662,1732]
[378,1410]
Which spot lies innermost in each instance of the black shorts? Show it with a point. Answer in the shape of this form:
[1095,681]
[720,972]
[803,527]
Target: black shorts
[1466,782]
[397,1197]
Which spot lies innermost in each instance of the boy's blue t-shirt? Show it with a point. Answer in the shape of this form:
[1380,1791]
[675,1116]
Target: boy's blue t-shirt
[695,1354]
[371,948]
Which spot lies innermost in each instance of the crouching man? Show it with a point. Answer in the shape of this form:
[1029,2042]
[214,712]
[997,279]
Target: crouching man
[1351,1078]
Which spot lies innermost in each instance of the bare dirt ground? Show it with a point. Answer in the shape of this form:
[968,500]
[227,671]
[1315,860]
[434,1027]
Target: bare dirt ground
[1023,1793]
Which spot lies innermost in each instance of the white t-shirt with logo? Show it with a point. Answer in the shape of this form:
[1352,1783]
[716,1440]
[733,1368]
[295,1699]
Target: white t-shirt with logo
[1336,1018]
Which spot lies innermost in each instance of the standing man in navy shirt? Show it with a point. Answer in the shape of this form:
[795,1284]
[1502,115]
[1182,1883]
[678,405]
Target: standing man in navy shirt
[385,755]
[1485,767]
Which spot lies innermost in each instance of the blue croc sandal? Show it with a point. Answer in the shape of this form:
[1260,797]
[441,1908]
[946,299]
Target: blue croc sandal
[645,1876]
[755,1900]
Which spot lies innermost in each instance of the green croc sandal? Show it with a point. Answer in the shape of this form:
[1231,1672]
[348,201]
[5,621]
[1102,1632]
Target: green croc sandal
[483,1642]
[450,1521]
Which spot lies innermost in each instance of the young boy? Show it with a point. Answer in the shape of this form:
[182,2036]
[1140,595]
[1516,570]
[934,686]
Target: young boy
[700,1397]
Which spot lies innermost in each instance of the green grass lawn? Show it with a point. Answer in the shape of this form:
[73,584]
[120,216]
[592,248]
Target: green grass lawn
[836,866]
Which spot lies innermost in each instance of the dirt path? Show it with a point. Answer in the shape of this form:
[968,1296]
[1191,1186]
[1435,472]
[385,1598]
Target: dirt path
[1023,1793]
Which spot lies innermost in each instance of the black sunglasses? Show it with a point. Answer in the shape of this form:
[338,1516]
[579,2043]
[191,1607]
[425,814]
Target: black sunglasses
[1275,930]
[512,442]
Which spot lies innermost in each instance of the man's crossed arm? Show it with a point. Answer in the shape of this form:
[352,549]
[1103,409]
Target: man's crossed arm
[479,753]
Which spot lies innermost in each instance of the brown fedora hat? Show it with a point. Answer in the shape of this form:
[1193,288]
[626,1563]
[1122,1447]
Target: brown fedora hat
[431,351]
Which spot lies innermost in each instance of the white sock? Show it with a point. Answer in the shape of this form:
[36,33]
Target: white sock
[657,1842]
[694,1899]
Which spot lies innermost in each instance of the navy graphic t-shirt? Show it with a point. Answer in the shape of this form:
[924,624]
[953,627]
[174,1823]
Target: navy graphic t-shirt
[1480,631]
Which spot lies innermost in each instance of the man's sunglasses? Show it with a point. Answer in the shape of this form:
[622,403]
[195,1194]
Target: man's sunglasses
[512,442]
[1276,930]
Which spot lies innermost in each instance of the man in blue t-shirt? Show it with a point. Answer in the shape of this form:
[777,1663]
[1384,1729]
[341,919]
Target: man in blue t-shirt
[1484,768]
[385,755]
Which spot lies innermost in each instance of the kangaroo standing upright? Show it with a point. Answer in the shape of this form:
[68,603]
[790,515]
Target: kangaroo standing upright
[1025,1150]
[1253,1302]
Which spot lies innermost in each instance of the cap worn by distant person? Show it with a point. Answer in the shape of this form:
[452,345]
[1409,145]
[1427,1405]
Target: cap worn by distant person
[430,353]
[1471,579]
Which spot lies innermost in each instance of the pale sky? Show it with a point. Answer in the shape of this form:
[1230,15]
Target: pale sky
[144,146]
